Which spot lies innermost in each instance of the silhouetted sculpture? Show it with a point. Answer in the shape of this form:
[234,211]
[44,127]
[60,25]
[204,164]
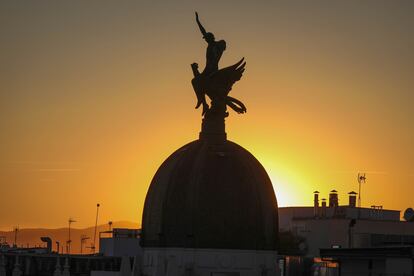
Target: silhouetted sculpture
[214,82]
[215,49]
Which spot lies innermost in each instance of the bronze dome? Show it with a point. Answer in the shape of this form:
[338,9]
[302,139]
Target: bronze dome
[208,195]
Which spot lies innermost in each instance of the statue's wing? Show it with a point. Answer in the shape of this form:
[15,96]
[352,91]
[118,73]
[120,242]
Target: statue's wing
[226,77]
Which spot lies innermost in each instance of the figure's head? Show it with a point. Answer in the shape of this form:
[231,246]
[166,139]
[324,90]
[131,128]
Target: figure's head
[209,37]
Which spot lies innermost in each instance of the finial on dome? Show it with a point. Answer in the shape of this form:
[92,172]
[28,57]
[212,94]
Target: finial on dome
[216,84]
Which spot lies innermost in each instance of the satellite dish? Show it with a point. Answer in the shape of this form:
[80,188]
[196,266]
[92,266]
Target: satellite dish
[409,214]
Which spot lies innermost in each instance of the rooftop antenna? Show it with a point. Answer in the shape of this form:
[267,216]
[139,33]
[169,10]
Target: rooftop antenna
[361,179]
[83,240]
[96,228]
[70,221]
[16,229]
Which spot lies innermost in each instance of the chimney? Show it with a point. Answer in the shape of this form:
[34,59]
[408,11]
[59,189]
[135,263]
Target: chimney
[323,212]
[352,199]
[315,203]
[333,198]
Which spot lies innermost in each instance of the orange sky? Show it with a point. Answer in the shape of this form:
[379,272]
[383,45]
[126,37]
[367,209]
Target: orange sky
[94,95]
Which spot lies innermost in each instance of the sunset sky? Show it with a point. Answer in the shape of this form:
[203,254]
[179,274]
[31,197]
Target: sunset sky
[94,95]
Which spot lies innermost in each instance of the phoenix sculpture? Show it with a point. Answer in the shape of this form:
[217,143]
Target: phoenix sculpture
[214,82]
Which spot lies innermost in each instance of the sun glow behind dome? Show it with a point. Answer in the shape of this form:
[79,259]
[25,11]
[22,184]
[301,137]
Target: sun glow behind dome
[285,184]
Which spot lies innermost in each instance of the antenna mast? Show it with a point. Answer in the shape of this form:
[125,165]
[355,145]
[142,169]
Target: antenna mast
[16,230]
[361,179]
[96,228]
[70,221]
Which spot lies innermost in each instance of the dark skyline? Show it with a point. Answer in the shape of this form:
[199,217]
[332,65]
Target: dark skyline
[89,91]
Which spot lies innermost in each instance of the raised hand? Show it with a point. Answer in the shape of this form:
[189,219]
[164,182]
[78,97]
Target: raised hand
[202,30]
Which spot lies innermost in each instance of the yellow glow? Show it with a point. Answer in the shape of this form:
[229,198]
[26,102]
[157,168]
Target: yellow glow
[95,97]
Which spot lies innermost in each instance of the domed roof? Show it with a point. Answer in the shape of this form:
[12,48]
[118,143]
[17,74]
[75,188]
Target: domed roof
[211,195]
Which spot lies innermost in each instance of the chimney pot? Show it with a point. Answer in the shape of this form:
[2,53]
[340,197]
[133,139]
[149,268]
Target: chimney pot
[316,203]
[352,199]
[333,199]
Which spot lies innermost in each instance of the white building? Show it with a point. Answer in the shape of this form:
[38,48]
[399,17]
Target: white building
[334,226]
[120,242]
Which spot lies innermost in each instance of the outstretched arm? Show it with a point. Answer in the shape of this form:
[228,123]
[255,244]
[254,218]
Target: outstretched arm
[203,31]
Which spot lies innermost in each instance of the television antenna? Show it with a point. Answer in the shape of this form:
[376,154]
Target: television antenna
[68,242]
[361,179]
[96,228]
[82,241]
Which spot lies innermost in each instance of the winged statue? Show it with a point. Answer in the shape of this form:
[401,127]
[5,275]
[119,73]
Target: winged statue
[214,82]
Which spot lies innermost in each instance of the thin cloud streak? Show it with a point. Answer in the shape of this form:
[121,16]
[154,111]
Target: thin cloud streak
[361,171]
[55,170]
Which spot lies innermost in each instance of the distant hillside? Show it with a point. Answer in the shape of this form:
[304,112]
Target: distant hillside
[31,237]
